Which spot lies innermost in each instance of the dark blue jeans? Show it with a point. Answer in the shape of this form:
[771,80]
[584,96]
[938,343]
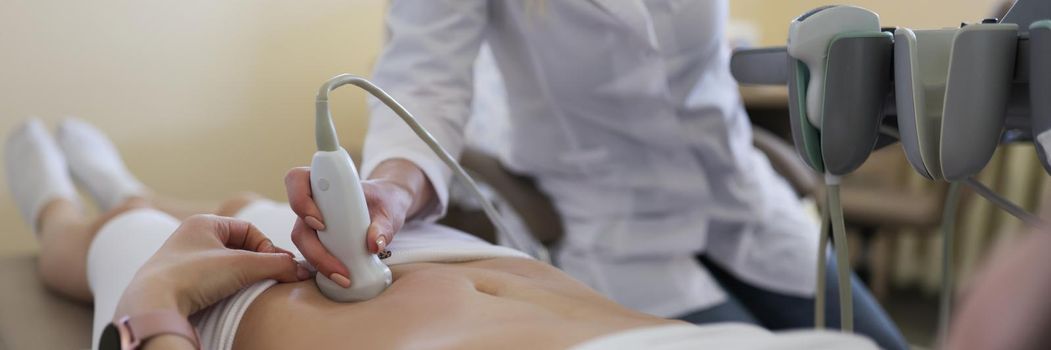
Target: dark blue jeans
[750,304]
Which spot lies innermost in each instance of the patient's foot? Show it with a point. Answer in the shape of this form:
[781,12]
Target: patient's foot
[36,170]
[96,164]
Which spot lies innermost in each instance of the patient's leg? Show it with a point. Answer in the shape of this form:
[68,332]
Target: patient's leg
[41,185]
[65,234]
[43,190]
[45,195]
[35,169]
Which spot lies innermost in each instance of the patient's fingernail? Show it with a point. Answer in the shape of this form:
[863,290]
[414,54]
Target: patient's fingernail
[381,244]
[314,223]
[341,280]
[302,273]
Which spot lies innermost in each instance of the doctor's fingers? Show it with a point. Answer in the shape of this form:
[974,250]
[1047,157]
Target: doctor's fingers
[387,212]
[307,241]
[301,199]
[381,232]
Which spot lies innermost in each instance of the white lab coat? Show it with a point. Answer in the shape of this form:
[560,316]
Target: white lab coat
[626,114]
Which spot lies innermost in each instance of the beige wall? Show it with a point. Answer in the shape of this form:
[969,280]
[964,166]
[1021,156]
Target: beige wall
[204,98]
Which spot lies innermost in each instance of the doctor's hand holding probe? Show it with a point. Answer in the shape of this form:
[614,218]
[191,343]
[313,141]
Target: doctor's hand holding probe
[626,115]
[396,191]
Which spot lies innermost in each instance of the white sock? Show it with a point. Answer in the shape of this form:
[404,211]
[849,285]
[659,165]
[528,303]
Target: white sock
[96,164]
[36,170]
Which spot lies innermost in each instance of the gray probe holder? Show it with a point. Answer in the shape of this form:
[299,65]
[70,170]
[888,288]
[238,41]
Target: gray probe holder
[1040,85]
[952,89]
[856,86]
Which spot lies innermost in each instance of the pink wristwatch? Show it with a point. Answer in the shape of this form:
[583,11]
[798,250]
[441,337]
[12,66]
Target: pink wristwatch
[130,332]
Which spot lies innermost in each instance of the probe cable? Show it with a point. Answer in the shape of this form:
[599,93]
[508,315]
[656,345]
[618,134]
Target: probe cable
[326,141]
[839,242]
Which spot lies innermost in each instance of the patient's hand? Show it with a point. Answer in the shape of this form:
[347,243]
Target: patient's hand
[207,259]
[390,201]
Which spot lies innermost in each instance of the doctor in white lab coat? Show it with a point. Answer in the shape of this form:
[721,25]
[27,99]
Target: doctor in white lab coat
[626,114]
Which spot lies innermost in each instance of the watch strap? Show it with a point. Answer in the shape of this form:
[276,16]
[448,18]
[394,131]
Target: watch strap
[142,327]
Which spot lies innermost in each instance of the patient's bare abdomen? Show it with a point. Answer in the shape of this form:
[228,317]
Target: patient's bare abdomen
[505,303]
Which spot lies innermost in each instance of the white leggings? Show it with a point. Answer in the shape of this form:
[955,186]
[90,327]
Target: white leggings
[124,244]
